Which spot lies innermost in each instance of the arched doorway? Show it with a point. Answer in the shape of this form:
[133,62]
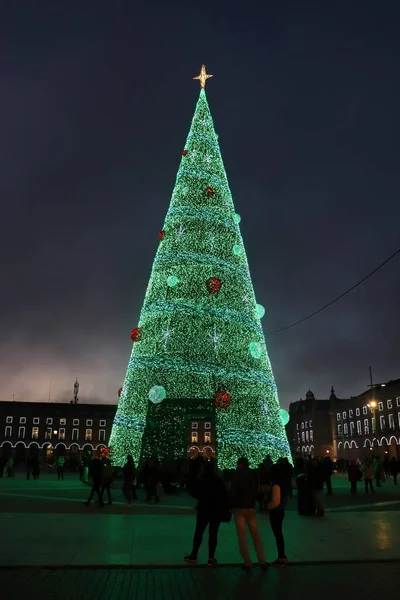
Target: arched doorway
[193,452]
[20,454]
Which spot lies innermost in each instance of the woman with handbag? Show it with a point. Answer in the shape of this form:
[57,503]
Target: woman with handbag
[213,508]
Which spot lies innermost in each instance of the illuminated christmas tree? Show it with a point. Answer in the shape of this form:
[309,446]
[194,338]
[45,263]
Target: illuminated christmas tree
[199,342]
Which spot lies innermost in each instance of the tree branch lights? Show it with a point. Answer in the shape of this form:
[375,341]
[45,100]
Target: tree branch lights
[202,345]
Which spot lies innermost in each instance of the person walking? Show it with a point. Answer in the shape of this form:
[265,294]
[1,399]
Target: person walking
[212,509]
[368,473]
[106,478]
[95,474]
[60,467]
[394,469]
[327,466]
[354,476]
[129,473]
[276,504]
[377,466]
[243,494]
[35,467]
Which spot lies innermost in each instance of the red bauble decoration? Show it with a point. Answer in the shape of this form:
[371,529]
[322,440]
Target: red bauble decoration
[104,452]
[161,235]
[136,334]
[222,400]
[119,392]
[213,285]
[146,287]
[184,152]
[209,191]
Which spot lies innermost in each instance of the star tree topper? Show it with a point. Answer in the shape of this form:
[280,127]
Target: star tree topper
[203,76]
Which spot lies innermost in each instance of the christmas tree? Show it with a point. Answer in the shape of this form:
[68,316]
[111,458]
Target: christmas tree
[199,336]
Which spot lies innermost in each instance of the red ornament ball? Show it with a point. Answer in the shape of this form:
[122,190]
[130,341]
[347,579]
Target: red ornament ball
[213,285]
[119,392]
[221,400]
[184,152]
[161,235]
[209,191]
[136,334]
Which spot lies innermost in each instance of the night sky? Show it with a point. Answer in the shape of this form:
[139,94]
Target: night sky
[96,101]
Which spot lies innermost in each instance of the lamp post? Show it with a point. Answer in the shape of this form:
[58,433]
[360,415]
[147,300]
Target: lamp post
[372,406]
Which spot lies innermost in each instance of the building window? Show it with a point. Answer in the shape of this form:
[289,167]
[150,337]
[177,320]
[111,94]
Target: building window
[195,425]
[298,438]
[195,437]
[398,417]
[88,435]
[352,428]
[61,433]
[63,421]
[22,420]
[208,426]
[307,438]
[306,425]
[48,433]
[380,405]
[365,410]
[75,422]
[344,416]
[102,435]
[391,421]
[389,404]
[397,402]
[35,433]
[7,433]
[345,429]
[49,421]
[302,436]
[366,426]
[338,417]
[350,414]
[297,426]
[373,424]
[359,430]
[207,437]
[9,419]
[89,422]
[21,433]
[302,425]
[36,421]
[382,422]
[75,434]
[310,424]
[311,435]
[339,429]
[102,423]
[357,412]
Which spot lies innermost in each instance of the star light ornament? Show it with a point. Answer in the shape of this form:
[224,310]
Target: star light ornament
[215,337]
[203,76]
[180,231]
[166,335]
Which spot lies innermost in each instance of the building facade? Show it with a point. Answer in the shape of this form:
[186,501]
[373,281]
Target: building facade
[51,429]
[348,428]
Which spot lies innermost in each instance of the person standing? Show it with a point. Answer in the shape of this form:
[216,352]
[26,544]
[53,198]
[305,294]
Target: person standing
[212,509]
[354,476]
[28,467]
[315,480]
[154,475]
[276,503]
[327,465]
[60,467]
[129,473]
[243,494]
[106,478]
[95,474]
[377,466]
[368,473]
[394,469]
[10,464]
[35,467]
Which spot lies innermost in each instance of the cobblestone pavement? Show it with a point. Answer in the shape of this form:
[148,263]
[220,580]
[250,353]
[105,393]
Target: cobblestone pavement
[366,581]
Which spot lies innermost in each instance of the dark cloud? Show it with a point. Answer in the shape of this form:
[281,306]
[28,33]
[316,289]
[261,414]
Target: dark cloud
[95,106]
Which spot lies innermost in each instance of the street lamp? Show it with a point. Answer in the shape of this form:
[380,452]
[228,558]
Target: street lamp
[372,406]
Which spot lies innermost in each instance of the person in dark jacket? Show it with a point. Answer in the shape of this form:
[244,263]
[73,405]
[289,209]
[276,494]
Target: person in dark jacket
[276,504]
[316,479]
[394,469]
[95,472]
[153,479]
[212,509]
[129,473]
[243,498]
[327,466]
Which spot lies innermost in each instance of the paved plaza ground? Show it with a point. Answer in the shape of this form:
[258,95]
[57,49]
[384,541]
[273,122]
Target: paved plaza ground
[54,546]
